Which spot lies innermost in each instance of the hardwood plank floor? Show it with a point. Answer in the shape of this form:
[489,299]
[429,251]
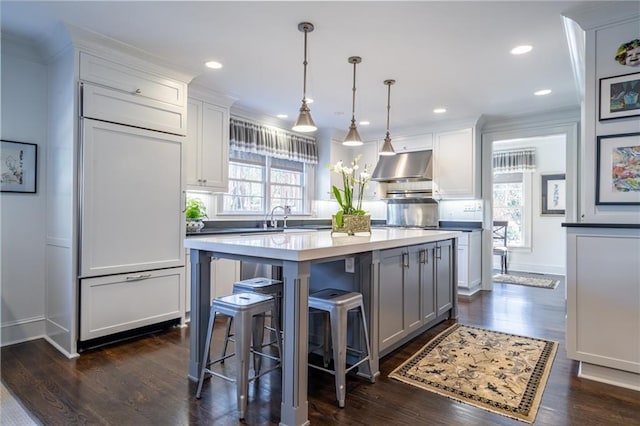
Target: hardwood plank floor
[143,381]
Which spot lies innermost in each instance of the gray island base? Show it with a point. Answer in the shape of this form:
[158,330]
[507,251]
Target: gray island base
[406,276]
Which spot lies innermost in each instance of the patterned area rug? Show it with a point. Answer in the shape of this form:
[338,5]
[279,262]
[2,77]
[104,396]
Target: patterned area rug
[499,372]
[529,281]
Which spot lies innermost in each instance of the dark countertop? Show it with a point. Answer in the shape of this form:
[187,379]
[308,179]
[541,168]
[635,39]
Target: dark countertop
[601,225]
[460,226]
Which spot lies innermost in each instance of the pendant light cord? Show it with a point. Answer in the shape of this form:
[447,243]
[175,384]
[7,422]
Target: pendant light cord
[304,63]
[388,106]
[353,100]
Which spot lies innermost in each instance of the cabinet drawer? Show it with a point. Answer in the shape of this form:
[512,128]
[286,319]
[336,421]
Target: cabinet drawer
[123,302]
[129,80]
[124,108]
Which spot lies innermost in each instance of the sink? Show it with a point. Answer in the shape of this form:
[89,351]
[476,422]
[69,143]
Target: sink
[291,230]
[277,231]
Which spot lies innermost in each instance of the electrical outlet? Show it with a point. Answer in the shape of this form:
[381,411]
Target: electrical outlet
[350,265]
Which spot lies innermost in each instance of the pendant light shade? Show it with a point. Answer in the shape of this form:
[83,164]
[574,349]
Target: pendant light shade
[387,148]
[304,123]
[353,137]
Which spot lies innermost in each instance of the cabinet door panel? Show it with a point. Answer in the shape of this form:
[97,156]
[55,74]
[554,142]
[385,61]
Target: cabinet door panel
[444,265]
[412,290]
[214,156]
[391,320]
[131,200]
[192,143]
[455,167]
[427,278]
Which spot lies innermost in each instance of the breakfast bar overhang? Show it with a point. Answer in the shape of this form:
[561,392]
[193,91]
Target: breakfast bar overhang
[296,252]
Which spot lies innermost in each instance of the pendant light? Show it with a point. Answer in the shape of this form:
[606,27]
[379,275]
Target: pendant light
[305,123]
[353,138]
[387,148]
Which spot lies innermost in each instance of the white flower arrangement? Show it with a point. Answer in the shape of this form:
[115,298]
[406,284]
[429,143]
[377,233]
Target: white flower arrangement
[353,183]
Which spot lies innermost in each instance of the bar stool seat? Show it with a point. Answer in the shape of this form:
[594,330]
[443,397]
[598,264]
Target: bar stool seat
[243,308]
[336,305]
[264,286]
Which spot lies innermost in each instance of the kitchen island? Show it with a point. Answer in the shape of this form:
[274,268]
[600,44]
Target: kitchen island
[335,260]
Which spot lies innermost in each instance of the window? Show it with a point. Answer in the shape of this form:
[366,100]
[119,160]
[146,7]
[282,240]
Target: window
[512,202]
[257,183]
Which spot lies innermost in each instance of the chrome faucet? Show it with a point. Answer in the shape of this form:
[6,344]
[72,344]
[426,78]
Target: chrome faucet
[274,222]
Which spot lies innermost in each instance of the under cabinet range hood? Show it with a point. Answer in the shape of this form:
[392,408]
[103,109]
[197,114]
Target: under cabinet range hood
[404,167]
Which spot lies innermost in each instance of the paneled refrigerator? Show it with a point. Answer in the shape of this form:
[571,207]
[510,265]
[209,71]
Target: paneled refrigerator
[131,254]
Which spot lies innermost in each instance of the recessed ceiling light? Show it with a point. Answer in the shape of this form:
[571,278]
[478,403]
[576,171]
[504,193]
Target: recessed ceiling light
[282,116]
[364,123]
[213,65]
[542,92]
[440,110]
[519,50]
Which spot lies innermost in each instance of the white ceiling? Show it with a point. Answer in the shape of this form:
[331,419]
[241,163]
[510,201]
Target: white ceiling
[453,54]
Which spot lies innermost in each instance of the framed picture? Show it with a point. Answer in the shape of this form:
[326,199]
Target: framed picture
[618,169]
[554,194]
[18,166]
[619,96]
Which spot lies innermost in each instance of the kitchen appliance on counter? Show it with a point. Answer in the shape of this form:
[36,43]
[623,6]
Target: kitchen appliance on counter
[412,208]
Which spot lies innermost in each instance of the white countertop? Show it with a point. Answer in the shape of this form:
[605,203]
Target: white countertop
[304,246]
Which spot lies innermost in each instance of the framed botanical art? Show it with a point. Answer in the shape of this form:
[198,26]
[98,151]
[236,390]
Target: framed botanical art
[18,167]
[618,169]
[620,96]
[554,195]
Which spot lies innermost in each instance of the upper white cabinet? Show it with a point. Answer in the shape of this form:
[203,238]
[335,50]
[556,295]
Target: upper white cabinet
[207,146]
[456,165]
[369,153]
[420,142]
[137,98]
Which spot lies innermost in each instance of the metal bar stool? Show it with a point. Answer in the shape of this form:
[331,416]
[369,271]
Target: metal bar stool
[243,308]
[336,304]
[264,286]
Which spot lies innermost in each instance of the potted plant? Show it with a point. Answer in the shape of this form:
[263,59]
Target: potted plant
[194,213]
[351,218]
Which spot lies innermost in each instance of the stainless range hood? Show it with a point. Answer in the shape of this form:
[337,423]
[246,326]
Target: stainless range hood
[404,167]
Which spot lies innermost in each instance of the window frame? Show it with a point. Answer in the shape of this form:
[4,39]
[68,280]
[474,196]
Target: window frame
[308,175]
[527,210]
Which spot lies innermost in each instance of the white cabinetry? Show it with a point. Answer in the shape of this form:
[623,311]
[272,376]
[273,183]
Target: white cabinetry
[603,313]
[225,272]
[369,152]
[116,303]
[207,146]
[420,142]
[469,263]
[456,165]
[137,98]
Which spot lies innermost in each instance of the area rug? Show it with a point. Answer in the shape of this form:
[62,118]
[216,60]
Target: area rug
[499,372]
[529,281]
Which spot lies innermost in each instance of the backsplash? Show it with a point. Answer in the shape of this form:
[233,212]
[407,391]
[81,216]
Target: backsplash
[461,210]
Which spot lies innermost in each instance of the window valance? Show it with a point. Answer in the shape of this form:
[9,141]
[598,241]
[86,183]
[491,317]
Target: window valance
[521,160]
[247,136]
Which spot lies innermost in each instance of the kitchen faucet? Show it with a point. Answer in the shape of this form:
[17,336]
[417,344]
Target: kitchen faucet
[274,222]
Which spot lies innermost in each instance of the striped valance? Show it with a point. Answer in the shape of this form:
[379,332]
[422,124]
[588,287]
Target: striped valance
[521,160]
[247,136]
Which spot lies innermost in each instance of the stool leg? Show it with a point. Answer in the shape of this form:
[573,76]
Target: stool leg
[258,337]
[243,343]
[339,340]
[326,336]
[366,342]
[226,339]
[205,355]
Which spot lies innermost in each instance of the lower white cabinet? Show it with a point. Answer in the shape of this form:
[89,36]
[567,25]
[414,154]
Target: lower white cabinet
[603,303]
[225,273]
[117,303]
[469,263]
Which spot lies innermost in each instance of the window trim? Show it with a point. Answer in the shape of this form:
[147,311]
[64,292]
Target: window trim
[527,210]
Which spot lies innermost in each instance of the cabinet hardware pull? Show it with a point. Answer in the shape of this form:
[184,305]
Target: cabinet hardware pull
[439,253]
[138,91]
[423,256]
[139,277]
[204,181]
[405,260]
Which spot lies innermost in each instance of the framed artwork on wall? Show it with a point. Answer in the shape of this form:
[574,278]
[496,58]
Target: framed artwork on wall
[618,169]
[554,195]
[18,166]
[620,96]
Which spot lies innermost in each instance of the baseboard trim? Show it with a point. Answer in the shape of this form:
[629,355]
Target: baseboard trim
[610,376]
[22,331]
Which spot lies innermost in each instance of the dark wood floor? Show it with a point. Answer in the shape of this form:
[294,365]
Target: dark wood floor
[143,382]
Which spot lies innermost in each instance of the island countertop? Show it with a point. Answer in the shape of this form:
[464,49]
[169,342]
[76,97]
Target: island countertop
[311,245]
